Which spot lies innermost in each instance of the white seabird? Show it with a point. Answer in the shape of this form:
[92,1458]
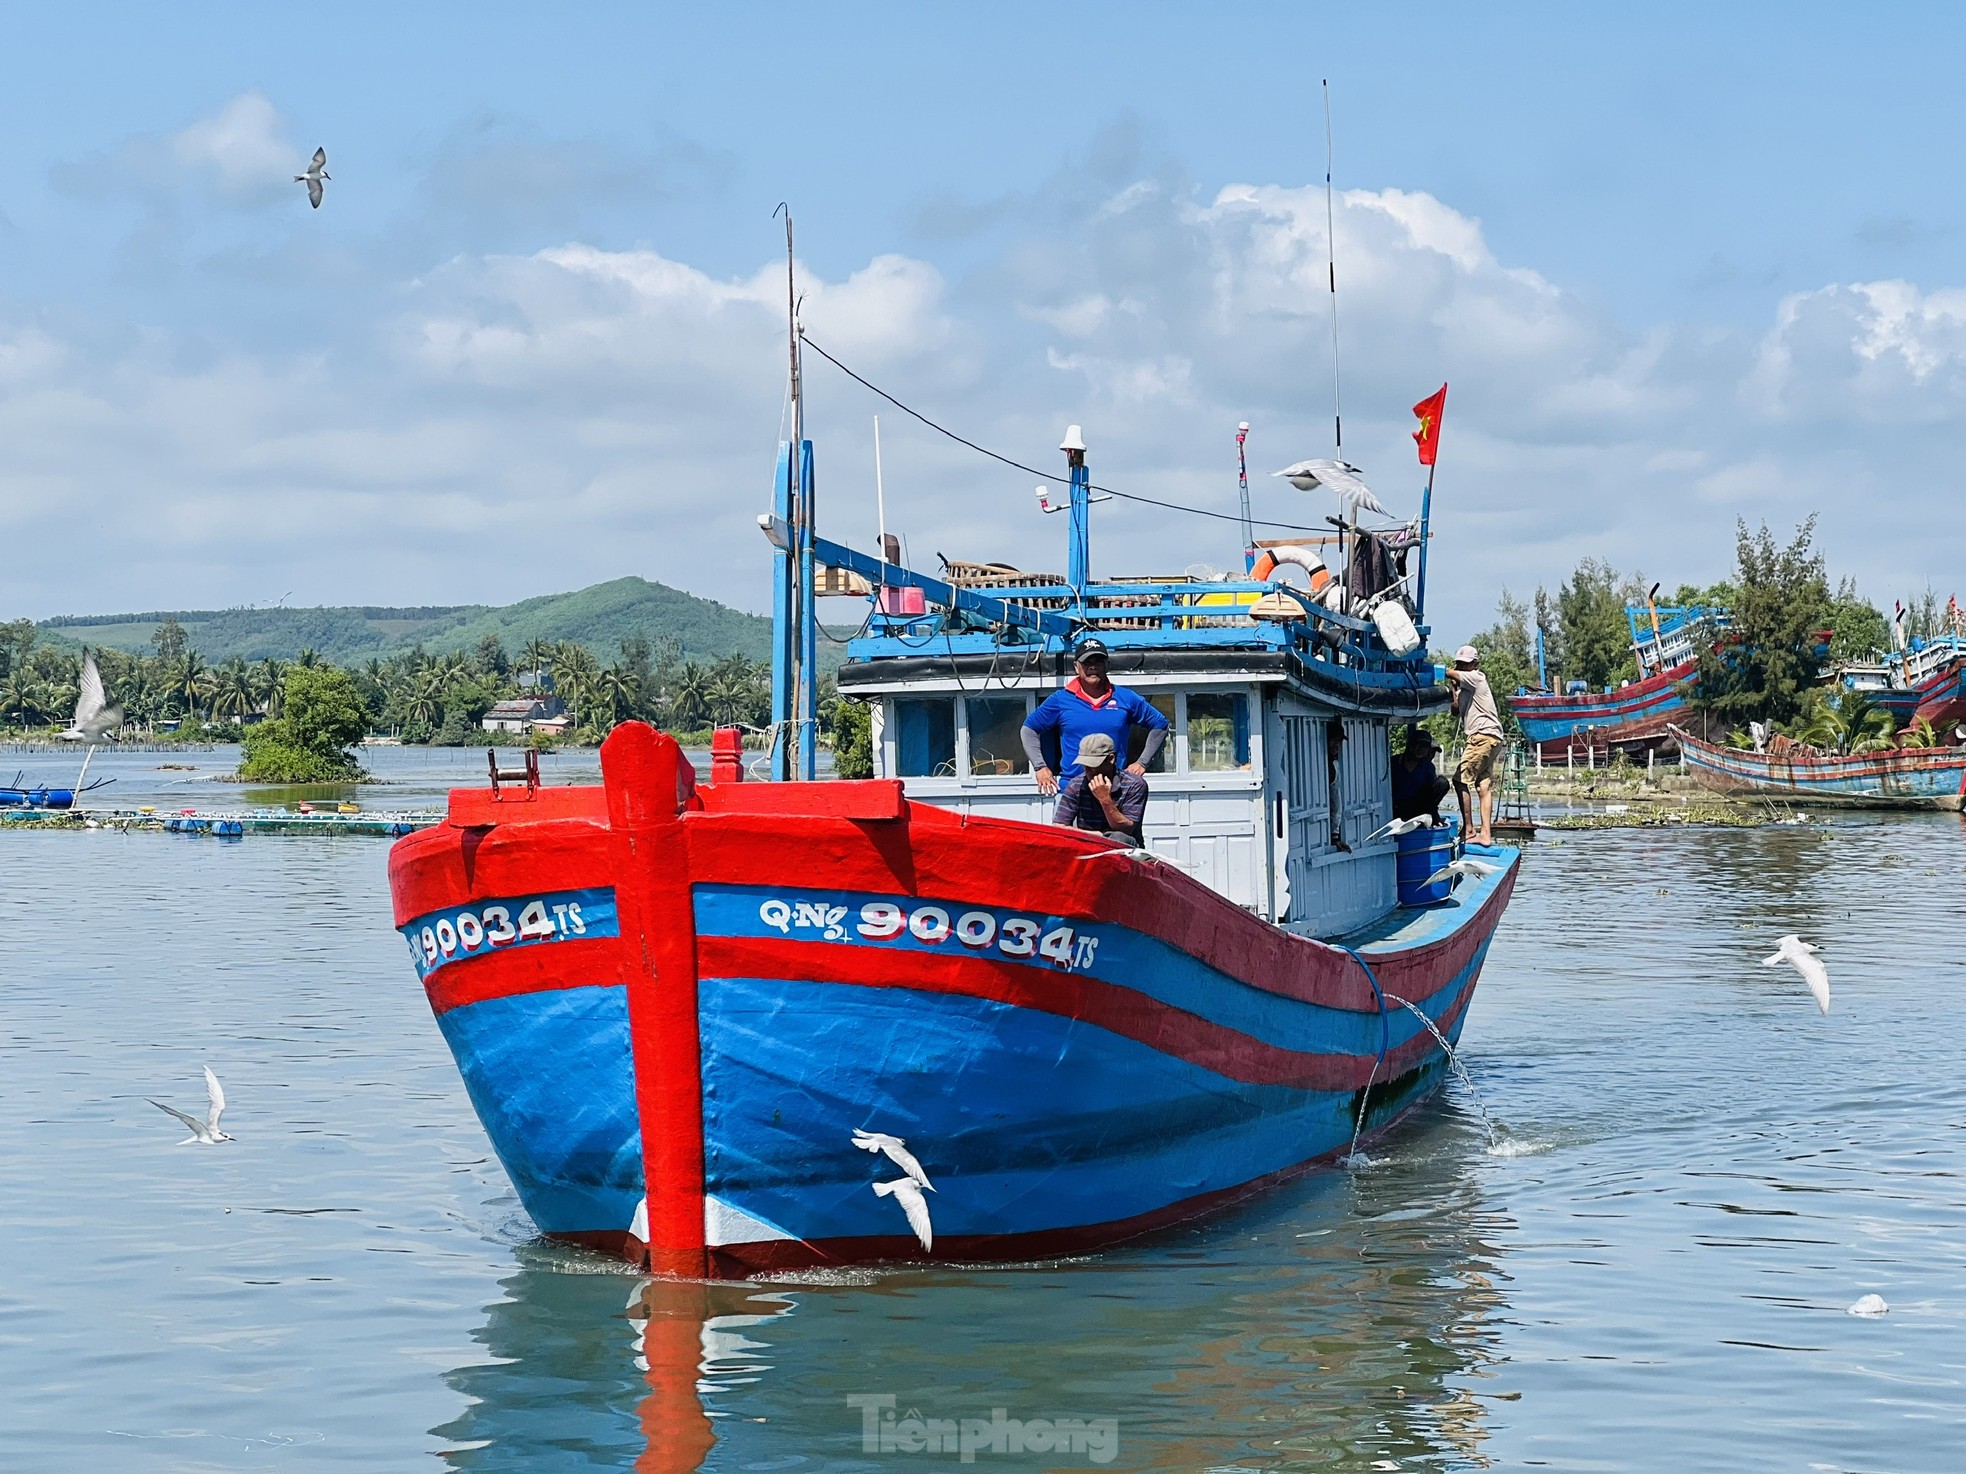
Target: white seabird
[205,1132]
[317,170]
[1397,828]
[895,1150]
[1341,478]
[1464,868]
[1801,956]
[908,1193]
[94,717]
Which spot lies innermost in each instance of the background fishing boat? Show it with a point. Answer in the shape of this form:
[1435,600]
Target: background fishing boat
[1897,777]
[1639,715]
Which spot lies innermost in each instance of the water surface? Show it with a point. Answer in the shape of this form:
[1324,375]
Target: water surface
[1712,1173]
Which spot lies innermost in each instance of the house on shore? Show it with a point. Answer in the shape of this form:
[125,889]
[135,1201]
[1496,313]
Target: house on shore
[527,714]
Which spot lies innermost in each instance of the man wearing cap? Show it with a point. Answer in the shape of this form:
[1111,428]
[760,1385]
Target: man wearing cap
[1417,788]
[1101,797]
[1474,704]
[1089,703]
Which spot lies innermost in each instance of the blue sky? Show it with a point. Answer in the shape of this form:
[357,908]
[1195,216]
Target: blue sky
[1681,264]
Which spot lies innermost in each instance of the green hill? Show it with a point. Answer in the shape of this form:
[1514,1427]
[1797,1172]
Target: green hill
[600,618]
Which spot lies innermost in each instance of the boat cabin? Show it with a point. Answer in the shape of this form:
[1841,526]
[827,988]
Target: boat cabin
[1280,697]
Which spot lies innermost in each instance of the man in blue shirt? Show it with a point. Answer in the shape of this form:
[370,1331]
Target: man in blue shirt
[1089,703]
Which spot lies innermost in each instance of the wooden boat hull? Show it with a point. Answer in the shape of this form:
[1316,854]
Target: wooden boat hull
[1923,778]
[672,1021]
[1632,718]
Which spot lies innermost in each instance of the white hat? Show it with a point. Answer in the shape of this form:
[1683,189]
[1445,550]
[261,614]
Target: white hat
[1467,655]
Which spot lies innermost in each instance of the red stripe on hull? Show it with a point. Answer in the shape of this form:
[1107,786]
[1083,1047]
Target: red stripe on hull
[594,963]
[1172,1031]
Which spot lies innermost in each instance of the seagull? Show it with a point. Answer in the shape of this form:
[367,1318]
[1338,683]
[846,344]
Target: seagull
[316,172]
[1463,868]
[1341,478]
[94,717]
[896,1151]
[1397,828]
[908,1193]
[1801,956]
[205,1132]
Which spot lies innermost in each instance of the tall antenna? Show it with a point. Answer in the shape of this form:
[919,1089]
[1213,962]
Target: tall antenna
[880,491]
[1242,480]
[1331,271]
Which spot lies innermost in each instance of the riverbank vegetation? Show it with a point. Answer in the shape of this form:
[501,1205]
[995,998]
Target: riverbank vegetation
[1767,667]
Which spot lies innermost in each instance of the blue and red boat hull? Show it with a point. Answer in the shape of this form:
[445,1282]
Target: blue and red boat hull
[1076,1044]
[1631,718]
[1899,777]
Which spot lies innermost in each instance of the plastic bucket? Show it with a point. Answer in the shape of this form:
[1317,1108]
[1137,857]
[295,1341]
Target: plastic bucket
[1421,853]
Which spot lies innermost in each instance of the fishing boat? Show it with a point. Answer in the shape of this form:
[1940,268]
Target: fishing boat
[1640,715]
[730,1026]
[1895,777]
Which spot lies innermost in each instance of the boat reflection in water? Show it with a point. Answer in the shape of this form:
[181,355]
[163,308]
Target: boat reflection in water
[1343,1320]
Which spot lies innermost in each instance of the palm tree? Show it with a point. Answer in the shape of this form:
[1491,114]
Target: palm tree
[618,690]
[425,697]
[1852,724]
[22,697]
[233,693]
[537,655]
[268,688]
[689,695]
[190,683]
[308,658]
[575,671]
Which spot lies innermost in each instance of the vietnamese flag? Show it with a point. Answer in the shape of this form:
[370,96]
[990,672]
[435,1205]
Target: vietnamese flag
[1427,437]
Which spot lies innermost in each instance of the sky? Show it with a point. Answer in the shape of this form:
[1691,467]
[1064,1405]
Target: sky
[1680,264]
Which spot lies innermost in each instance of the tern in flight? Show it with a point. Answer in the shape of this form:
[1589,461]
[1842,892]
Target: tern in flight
[94,717]
[896,1151]
[317,170]
[1341,478]
[205,1132]
[1463,869]
[1398,827]
[908,1193]
[1801,956]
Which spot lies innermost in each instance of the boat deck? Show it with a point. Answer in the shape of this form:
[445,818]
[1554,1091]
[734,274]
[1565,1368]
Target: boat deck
[1415,926]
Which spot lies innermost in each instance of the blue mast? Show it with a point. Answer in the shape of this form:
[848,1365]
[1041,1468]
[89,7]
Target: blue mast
[783,657]
[808,694]
[1078,567]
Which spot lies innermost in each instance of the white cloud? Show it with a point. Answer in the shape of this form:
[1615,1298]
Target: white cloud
[510,423]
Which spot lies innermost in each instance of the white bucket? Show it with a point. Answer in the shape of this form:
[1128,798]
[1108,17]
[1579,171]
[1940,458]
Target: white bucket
[1396,629]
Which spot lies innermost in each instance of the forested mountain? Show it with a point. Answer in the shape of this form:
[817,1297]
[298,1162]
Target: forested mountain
[600,618]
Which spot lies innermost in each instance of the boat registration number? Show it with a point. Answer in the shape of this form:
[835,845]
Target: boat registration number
[924,924]
[500,925]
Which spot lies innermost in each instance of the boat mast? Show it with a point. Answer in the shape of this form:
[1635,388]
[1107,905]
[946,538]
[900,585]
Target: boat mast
[794,677]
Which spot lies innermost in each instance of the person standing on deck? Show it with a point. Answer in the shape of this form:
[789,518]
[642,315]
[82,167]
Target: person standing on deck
[1481,726]
[1089,703]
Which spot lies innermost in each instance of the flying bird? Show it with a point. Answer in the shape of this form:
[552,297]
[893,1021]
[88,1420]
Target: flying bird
[908,1193]
[94,717]
[1801,956]
[896,1151]
[1341,478]
[316,172]
[205,1132]
[1463,869]
[1397,828]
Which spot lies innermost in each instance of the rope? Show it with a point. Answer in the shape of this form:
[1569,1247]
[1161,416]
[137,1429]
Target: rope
[1127,496]
[1385,1044]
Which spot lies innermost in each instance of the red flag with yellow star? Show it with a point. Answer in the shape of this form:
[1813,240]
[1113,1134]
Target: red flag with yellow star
[1427,437]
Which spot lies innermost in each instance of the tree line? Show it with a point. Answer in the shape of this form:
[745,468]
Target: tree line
[417,696]
[1770,664]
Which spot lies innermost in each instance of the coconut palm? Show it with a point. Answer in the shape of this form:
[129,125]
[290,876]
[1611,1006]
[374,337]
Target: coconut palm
[22,697]
[189,684]
[689,695]
[617,690]
[268,691]
[537,655]
[1851,724]
[233,690]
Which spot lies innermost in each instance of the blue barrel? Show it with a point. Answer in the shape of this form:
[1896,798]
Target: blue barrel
[1421,853]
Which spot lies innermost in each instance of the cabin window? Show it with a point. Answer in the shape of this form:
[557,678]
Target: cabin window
[995,748]
[1218,733]
[1164,759]
[925,737]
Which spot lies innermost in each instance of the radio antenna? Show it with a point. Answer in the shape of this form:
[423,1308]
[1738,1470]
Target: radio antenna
[1331,273]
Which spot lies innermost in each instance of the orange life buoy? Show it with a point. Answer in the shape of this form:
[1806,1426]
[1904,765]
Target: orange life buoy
[1271,558]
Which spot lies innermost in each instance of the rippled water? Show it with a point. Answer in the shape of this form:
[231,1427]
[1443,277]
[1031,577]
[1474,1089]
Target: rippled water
[1707,1174]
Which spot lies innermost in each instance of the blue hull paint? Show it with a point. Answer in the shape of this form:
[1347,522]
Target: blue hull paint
[551,1077]
[1026,1121]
